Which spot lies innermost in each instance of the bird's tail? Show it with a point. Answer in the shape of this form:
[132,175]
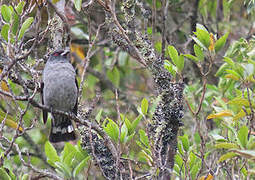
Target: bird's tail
[62,129]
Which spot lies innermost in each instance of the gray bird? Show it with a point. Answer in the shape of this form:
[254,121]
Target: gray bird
[60,92]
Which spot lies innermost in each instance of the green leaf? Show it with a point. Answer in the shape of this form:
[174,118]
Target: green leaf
[64,169]
[221,70]
[80,166]
[124,133]
[25,177]
[127,122]
[19,7]
[180,149]
[227,156]
[114,76]
[6,13]
[5,31]
[243,136]
[149,30]
[51,152]
[199,52]
[226,145]
[71,155]
[112,129]
[144,138]
[158,46]
[25,26]
[229,61]
[77,4]
[15,24]
[203,36]
[220,42]
[180,65]
[135,123]
[195,169]
[189,56]
[192,159]
[178,160]
[230,71]
[144,106]
[130,137]
[173,54]
[199,42]
[4,175]
[98,116]
[185,142]
[217,137]
[170,67]
[239,101]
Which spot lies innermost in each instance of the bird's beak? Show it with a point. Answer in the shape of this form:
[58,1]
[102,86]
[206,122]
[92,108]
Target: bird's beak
[65,52]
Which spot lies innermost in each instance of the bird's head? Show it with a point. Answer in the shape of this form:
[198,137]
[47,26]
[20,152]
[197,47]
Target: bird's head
[59,56]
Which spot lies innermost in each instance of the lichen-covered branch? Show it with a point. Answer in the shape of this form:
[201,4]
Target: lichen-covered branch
[164,126]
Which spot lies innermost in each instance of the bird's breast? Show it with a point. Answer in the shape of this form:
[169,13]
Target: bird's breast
[60,91]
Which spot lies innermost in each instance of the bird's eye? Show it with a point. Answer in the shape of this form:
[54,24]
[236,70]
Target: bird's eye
[55,54]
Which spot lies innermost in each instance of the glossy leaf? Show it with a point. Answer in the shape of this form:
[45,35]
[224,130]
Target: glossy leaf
[189,56]
[221,42]
[232,76]
[239,101]
[185,142]
[144,106]
[173,54]
[180,65]
[135,123]
[112,129]
[170,67]
[199,52]
[25,27]
[5,31]
[224,113]
[124,133]
[243,136]
[51,153]
[203,36]
[144,138]
[226,145]
[80,166]
[15,24]
[77,4]
[6,13]
[19,7]
[98,116]
[239,115]
[230,71]
[222,70]
[64,169]
[9,120]
[199,42]
[226,156]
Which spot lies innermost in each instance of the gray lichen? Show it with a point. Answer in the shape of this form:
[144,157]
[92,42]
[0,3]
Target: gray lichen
[97,149]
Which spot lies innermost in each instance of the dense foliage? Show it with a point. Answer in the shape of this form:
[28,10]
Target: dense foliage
[166,89]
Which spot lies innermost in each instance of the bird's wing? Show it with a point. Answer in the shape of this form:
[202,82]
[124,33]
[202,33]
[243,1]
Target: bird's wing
[75,109]
[45,113]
